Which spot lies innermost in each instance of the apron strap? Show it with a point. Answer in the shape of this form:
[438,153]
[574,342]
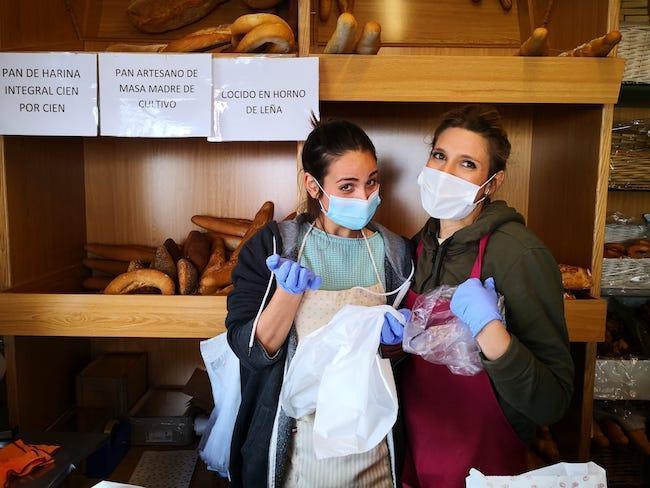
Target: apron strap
[478,264]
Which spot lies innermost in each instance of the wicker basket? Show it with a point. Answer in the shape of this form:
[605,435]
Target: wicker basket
[630,156]
[635,49]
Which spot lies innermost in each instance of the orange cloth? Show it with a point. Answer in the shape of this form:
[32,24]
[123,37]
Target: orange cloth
[19,459]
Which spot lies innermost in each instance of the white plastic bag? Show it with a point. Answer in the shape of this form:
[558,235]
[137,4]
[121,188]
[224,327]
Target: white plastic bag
[337,373]
[223,369]
[576,475]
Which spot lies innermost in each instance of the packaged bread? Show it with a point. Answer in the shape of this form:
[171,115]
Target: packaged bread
[575,278]
[156,16]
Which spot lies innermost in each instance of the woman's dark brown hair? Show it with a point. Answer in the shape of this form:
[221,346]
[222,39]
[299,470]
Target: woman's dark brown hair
[327,142]
[483,120]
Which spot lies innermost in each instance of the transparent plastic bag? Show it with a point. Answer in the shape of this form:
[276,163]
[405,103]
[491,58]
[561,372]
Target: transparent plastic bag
[440,337]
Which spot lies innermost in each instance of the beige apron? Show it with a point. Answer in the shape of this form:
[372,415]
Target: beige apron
[369,469]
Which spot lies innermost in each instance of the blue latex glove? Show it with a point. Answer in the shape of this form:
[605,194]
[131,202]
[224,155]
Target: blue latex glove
[392,331]
[292,277]
[476,304]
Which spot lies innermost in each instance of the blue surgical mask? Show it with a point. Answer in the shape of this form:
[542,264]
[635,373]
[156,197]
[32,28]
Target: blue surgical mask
[351,213]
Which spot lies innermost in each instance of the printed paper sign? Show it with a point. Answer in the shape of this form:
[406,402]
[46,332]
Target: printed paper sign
[263,99]
[155,95]
[48,94]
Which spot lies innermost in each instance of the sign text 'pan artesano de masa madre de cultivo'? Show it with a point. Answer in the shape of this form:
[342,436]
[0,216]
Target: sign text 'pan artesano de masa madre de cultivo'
[263,99]
[48,94]
[154,95]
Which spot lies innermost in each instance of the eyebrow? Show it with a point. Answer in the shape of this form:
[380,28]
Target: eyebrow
[351,178]
[467,156]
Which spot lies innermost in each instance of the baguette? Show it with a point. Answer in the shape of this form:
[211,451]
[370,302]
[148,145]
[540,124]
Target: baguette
[222,226]
[278,38]
[218,256]
[135,48]
[156,16]
[536,44]
[188,278]
[163,261]
[216,278]
[196,248]
[324,10]
[96,283]
[370,40]
[261,4]
[599,47]
[122,252]
[344,37]
[264,216]
[108,266]
[232,242]
[140,278]
[201,40]
[246,23]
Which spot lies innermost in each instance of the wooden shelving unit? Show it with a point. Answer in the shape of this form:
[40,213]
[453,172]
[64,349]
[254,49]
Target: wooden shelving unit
[58,193]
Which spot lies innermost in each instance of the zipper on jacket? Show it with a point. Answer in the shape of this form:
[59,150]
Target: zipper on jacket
[437,266]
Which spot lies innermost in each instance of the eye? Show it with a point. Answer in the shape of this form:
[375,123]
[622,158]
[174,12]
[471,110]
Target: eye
[437,155]
[372,182]
[468,163]
[347,187]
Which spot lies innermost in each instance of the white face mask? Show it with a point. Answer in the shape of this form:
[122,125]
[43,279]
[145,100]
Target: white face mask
[446,196]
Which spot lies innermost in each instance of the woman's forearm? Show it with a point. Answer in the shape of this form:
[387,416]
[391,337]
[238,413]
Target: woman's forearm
[493,340]
[276,320]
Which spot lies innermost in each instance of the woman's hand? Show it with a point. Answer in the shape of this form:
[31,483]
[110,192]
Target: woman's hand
[292,277]
[392,331]
[476,304]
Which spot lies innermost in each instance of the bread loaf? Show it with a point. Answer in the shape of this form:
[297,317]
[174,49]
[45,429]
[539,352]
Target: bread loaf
[344,37]
[575,278]
[196,248]
[155,16]
[134,280]
[122,252]
[164,262]
[370,40]
[536,44]
[201,40]
[188,277]
[599,47]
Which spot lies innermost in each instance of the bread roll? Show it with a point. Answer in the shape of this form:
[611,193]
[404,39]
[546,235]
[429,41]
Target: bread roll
[344,37]
[188,277]
[370,40]
[164,262]
[173,249]
[163,15]
[278,38]
[246,23]
[134,280]
[196,248]
[536,44]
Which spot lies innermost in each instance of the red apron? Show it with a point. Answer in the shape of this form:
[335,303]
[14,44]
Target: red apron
[454,422]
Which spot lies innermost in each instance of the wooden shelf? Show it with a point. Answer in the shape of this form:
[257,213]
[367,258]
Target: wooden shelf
[78,315]
[493,79]
[180,317]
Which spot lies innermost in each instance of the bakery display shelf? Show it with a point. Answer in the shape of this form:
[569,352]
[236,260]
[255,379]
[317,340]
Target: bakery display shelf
[195,317]
[93,315]
[493,79]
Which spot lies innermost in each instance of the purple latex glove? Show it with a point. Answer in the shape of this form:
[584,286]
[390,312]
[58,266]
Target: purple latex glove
[392,331]
[292,277]
[476,304]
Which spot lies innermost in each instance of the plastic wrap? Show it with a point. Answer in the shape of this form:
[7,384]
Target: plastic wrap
[622,379]
[440,337]
[631,415]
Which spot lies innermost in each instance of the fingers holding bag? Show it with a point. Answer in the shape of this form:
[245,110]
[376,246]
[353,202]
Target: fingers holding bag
[292,277]
[392,331]
[476,304]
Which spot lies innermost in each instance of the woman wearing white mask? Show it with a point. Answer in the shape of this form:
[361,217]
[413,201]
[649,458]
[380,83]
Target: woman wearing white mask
[454,423]
[331,256]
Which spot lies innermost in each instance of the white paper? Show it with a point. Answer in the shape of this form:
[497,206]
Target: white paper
[561,475]
[111,484]
[155,95]
[263,99]
[49,94]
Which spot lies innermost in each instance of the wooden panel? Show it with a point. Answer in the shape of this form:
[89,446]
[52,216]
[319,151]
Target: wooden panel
[564,178]
[573,23]
[624,114]
[493,79]
[586,319]
[45,202]
[170,362]
[630,203]
[422,22]
[601,197]
[34,23]
[41,378]
[5,263]
[65,280]
[76,315]
[145,190]
[403,149]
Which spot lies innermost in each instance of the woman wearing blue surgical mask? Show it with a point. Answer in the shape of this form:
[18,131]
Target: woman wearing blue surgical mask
[328,257]
[453,422]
